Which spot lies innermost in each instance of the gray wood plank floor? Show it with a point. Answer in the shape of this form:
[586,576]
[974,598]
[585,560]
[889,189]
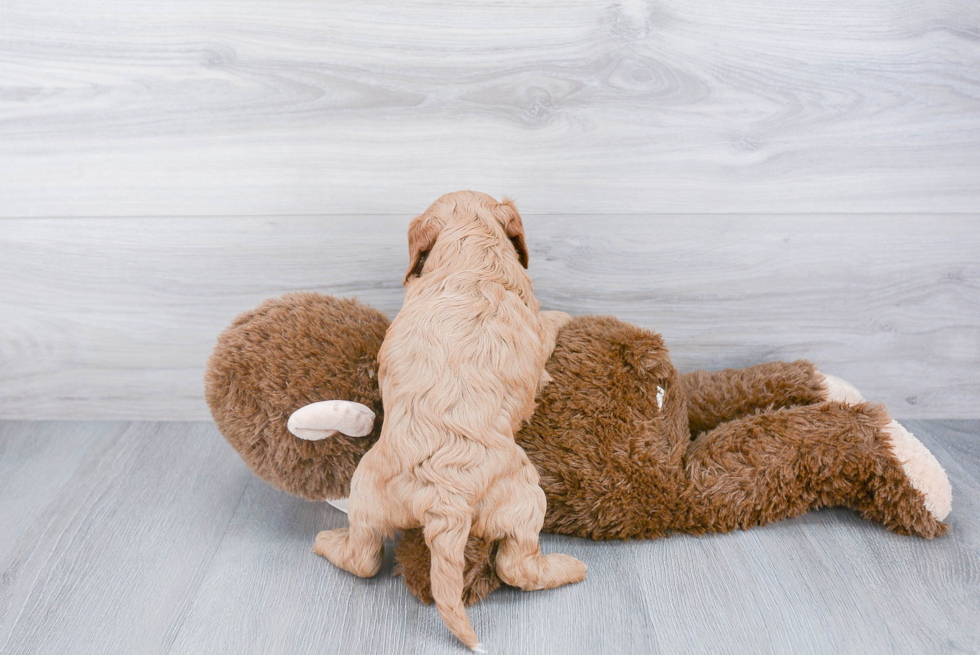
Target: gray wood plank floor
[155,538]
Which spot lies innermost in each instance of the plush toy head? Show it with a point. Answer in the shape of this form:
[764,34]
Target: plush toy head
[285,354]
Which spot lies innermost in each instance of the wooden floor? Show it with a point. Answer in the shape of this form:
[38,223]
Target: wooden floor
[153,537]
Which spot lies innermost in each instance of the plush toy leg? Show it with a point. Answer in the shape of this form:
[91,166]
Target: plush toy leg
[716,397]
[920,465]
[779,464]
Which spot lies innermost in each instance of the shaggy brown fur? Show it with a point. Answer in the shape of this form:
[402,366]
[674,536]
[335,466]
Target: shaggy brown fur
[783,463]
[287,353]
[713,398]
[615,465]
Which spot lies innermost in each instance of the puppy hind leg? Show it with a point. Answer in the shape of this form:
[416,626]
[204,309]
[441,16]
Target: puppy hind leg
[519,559]
[446,535]
[358,548]
[521,564]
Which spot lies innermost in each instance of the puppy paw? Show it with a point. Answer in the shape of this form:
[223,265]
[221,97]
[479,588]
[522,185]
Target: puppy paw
[579,570]
[567,569]
[330,543]
[922,468]
[336,546]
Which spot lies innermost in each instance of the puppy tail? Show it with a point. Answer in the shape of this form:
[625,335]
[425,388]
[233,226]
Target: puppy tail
[446,535]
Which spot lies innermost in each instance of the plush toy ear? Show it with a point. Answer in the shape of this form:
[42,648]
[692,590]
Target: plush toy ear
[514,228]
[328,418]
[422,235]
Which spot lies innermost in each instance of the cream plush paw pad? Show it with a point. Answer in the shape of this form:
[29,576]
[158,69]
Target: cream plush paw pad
[840,390]
[326,419]
[923,470]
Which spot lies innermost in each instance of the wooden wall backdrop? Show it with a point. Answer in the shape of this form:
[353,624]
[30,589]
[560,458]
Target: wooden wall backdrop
[757,180]
[116,317]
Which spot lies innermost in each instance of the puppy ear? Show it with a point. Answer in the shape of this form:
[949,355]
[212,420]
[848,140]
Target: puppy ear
[422,234]
[514,228]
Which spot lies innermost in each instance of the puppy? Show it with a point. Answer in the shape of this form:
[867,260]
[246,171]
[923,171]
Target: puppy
[458,370]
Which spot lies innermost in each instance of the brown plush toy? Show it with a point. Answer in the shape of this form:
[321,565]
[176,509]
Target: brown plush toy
[626,447]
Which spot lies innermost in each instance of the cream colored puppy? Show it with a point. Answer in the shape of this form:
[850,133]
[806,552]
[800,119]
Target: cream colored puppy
[458,370]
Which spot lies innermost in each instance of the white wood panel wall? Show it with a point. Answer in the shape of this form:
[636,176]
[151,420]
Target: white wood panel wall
[757,180]
[116,317]
[213,107]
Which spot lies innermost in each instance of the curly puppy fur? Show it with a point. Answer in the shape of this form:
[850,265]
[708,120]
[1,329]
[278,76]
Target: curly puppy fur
[729,449]
[458,370]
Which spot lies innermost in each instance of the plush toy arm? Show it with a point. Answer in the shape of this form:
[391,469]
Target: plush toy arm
[325,419]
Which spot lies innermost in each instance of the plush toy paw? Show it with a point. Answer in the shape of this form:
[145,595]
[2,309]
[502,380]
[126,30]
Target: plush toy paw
[840,390]
[326,419]
[923,470]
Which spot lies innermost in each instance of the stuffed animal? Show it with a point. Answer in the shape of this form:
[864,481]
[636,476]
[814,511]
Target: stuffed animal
[626,447]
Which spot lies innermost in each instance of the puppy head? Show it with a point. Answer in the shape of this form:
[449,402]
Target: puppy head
[460,215]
